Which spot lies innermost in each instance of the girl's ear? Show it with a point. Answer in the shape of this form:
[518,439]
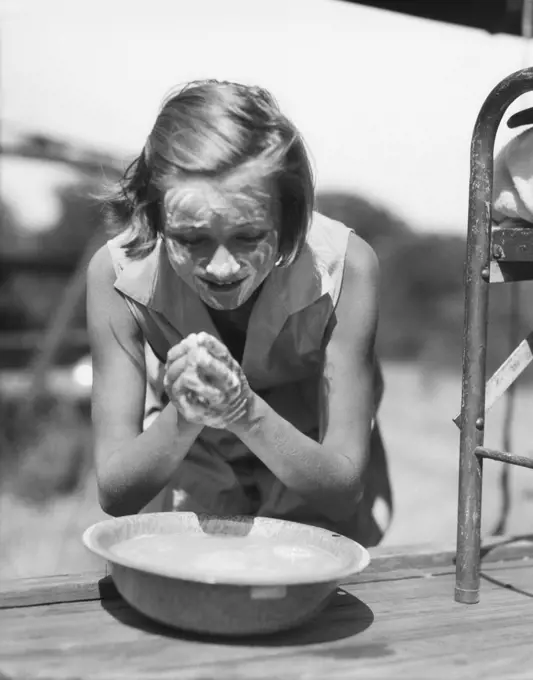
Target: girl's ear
[524,117]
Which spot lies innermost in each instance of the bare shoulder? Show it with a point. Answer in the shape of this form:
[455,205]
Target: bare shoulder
[106,308]
[361,263]
[101,277]
[100,269]
[357,306]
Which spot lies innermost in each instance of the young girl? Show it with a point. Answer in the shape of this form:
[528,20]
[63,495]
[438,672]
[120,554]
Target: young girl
[258,315]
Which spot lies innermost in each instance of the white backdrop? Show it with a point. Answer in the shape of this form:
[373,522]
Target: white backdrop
[386,102]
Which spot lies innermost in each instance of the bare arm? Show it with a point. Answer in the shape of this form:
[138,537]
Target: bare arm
[328,472]
[132,466]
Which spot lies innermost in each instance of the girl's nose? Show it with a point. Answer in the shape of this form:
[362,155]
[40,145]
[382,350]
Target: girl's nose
[222,265]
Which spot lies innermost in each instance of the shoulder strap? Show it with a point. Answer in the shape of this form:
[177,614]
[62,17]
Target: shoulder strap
[151,330]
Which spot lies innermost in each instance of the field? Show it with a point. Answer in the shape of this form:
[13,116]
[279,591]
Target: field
[422,444]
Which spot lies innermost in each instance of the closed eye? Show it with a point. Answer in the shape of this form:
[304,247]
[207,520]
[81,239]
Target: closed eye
[250,238]
[191,241]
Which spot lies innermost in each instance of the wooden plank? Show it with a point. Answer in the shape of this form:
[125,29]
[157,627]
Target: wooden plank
[427,557]
[515,364]
[93,585]
[509,371]
[397,629]
[388,563]
[369,576]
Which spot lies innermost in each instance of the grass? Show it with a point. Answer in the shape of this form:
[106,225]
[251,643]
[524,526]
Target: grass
[43,540]
[423,446]
[40,532]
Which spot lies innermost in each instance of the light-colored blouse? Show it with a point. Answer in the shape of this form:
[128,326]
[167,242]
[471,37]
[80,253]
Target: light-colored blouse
[287,331]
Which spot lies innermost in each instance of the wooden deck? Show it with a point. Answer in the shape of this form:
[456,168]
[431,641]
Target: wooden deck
[396,620]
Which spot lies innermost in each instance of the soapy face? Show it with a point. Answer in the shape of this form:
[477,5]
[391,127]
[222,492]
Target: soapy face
[222,242]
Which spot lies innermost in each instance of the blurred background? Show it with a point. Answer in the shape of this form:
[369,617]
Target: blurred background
[386,101]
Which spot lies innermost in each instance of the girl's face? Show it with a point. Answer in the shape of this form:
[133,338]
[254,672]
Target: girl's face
[222,243]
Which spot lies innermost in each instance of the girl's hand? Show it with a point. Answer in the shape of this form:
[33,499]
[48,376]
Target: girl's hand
[205,383]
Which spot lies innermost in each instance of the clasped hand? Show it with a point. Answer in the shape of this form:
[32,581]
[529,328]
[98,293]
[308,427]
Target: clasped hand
[205,383]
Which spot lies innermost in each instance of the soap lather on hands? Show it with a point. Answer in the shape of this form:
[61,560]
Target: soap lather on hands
[205,383]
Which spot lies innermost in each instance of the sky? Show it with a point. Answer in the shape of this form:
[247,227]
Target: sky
[385,102]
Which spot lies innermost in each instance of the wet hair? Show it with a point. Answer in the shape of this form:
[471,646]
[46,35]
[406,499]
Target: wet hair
[215,130]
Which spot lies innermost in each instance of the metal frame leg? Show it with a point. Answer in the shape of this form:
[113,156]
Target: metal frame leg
[476,283]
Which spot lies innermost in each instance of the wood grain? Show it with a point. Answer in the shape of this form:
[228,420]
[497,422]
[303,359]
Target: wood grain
[388,563]
[403,628]
[93,585]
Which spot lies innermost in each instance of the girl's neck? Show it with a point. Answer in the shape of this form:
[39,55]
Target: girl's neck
[234,318]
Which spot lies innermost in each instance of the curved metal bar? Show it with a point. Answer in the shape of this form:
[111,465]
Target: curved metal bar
[476,281]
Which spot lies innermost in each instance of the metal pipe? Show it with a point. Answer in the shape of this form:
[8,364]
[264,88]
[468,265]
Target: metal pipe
[476,281]
[504,457]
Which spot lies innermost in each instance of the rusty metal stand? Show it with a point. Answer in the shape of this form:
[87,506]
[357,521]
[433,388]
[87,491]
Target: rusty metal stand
[477,279]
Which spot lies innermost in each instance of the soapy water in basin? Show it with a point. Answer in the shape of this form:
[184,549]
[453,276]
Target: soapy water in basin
[217,557]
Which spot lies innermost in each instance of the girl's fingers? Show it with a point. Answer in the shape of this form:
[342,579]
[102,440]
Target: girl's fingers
[182,348]
[174,369]
[196,411]
[236,414]
[214,346]
[200,341]
[216,372]
[192,412]
[205,369]
[184,355]
[190,381]
[204,381]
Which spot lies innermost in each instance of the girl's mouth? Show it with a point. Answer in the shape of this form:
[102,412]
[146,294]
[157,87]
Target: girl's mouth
[222,286]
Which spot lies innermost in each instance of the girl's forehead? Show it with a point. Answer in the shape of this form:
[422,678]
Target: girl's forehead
[201,201]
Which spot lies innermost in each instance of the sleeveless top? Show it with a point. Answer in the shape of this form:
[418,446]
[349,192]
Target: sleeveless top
[287,331]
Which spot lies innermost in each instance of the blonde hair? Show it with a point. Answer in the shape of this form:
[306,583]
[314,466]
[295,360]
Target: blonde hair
[213,129]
